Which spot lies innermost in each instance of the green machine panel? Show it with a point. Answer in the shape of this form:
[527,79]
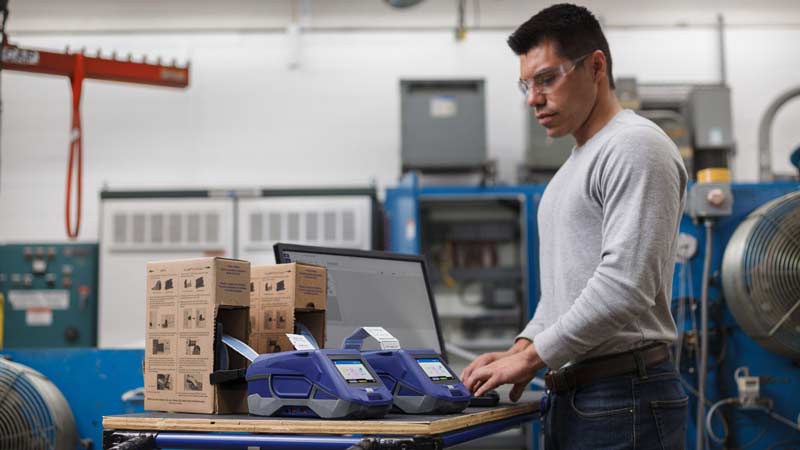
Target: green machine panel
[49,295]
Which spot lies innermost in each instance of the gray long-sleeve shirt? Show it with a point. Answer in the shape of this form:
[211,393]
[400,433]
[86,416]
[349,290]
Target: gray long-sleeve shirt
[608,223]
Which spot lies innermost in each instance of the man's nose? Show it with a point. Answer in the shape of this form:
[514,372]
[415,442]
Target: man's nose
[536,98]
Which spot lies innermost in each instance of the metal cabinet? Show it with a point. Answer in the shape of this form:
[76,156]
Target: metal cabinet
[142,226]
[137,227]
[324,218]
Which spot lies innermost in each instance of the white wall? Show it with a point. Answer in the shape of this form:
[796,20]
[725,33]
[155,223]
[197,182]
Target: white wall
[247,119]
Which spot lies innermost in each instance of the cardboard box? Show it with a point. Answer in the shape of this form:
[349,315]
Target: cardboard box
[282,295]
[185,301]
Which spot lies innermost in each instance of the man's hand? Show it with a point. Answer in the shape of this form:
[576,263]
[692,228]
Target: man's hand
[481,361]
[488,358]
[517,369]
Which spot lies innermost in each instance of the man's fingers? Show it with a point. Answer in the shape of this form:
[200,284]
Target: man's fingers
[473,382]
[473,376]
[477,378]
[487,386]
[466,372]
[476,364]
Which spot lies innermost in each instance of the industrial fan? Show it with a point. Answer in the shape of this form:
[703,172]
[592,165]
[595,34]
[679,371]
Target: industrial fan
[33,413]
[761,275]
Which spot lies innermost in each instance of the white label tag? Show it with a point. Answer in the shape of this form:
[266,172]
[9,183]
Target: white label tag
[39,298]
[300,342]
[39,317]
[715,136]
[20,56]
[443,107]
[384,338]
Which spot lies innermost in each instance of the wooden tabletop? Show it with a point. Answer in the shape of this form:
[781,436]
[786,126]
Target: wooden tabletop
[399,424]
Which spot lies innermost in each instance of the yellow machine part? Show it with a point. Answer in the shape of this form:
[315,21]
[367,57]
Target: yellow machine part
[714,175]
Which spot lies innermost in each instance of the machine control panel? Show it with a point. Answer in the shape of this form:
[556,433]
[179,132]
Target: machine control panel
[50,295]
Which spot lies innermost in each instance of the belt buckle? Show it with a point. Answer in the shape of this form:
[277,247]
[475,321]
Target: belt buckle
[559,378]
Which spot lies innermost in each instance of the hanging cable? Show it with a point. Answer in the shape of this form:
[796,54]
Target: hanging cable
[680,322]
[75,163]
[3,40]
[710,415]
[767,408]
[788,422]
[703,360]
[784,445]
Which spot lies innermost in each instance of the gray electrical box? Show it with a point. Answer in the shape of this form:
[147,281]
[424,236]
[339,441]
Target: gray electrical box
[699,206]
[443,125]
[710,110]
[545,154]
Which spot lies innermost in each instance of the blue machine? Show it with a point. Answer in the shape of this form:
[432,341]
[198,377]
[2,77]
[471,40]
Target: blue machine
[730,346]
[331,384]
[420,382]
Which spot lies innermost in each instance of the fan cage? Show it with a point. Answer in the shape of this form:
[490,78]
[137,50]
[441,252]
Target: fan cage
[33,413]
[761,275]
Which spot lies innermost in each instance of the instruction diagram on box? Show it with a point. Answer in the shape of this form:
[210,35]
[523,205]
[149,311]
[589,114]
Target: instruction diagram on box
[161,319]
[195,318]
[192,383]
[162,285]
[273,346]
[193,283]
[276,320]
[161,346]
[193,347]
[164,382]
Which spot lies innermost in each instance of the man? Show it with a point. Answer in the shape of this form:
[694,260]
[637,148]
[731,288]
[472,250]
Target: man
[608,223]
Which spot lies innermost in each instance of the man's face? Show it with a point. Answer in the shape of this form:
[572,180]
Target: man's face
[565,108]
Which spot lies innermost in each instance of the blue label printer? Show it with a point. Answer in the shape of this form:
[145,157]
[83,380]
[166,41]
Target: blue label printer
[331,384]
[420,382]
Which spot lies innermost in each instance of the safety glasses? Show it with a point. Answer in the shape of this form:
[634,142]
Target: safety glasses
[547,80]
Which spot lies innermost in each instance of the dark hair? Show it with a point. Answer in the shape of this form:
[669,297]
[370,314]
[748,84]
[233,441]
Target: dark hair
[573,29]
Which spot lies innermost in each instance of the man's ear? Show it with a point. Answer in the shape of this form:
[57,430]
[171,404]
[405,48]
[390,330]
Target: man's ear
[598,64]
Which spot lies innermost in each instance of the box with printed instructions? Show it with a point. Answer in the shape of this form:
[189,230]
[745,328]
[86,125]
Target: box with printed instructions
[282,295]
[186,301]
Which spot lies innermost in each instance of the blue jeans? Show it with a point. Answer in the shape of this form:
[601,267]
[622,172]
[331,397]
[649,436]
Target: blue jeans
[641,411]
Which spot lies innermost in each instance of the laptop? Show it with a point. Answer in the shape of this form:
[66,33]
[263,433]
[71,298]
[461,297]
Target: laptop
[373,288]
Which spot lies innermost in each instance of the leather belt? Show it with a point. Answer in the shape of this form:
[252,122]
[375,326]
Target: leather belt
[606,366]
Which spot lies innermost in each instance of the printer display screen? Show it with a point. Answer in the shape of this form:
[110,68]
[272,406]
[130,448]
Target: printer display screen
[434,369]
[353,371]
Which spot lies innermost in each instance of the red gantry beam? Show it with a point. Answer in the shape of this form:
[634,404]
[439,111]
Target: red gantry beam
[78,66]
[94,67]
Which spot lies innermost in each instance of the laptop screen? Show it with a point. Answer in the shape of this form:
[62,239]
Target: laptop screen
[371,288]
